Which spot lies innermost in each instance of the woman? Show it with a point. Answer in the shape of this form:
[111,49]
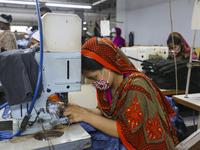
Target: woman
[181,48]
[118,40]
[130,105]
[8,40]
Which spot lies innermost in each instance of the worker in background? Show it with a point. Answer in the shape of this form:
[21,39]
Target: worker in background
[33,29]
[35,39]
[8,39]
[44,10]
[130,106]
[118,40]
[22,43]
[181,48]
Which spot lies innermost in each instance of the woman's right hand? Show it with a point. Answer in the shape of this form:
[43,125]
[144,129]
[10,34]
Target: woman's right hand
[60,105]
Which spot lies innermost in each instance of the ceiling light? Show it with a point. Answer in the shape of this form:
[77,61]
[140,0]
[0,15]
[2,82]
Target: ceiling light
[17,2]
[84,22]
[98,2]
[18,28]
[68,5]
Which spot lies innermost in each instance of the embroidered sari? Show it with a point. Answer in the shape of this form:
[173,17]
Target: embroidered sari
[141,111]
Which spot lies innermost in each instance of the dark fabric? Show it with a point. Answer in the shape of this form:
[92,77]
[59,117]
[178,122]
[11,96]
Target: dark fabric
[102,141]
[162,72]
[2,98]
[19,72]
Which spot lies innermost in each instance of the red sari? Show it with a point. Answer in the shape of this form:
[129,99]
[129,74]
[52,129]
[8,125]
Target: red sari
[141,111]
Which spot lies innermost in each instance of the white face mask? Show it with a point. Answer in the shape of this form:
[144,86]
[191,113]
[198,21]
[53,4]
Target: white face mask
[174,52]
[114,35]
[26,36]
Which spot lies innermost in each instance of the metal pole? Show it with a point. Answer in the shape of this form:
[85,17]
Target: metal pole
[189,69]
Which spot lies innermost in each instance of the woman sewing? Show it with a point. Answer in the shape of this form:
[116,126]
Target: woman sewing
[130,105]
[181,48]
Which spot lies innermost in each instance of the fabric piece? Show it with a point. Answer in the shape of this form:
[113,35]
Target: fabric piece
[100,140]
[6,112]
[197,50]
[119,41]
[108,95]
[185,48]
[141,111]
[19,72]
[8,40]
[5,133]
[162,73]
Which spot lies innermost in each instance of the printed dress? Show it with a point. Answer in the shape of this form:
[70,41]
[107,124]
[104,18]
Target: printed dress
[8,40]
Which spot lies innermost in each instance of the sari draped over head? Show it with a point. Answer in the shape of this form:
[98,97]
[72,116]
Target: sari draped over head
[185,51]
[141,111]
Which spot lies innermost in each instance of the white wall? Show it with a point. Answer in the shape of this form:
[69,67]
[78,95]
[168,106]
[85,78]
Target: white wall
[150,20]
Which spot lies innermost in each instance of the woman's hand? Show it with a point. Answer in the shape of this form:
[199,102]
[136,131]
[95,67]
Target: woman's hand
[60,105]
[76,113]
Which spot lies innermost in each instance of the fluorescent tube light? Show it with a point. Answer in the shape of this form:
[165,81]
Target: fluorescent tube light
[98,2]
[18,28]
[68,5]
[17,2]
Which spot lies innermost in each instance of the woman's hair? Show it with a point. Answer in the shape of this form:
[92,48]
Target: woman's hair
[177,41]
[90,64]
[47,9]
[8,18]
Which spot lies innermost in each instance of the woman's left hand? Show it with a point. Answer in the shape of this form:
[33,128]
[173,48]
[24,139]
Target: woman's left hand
[75,113]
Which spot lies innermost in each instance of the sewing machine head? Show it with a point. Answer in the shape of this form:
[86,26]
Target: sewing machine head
[139,53]
[61,68]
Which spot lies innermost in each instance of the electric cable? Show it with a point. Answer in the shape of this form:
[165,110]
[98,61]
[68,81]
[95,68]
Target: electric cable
[173,47]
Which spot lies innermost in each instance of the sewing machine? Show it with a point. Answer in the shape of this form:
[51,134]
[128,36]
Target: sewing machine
[61,74]
[139,53]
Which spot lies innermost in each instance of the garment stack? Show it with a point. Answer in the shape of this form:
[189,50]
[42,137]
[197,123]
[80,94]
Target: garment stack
[162,73]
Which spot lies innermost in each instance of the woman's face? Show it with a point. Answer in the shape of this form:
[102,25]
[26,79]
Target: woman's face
[114,34]
[33,42]
[170,45]
[97,75]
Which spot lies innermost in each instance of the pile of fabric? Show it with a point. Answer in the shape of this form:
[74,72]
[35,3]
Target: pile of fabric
[162,72]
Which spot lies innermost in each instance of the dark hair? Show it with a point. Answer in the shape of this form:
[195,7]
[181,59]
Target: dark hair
[8,18]
[177,41]
[90,64]
[45,9]
[34,28]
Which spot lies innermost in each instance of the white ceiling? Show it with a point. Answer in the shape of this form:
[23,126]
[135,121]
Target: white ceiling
[27,15]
